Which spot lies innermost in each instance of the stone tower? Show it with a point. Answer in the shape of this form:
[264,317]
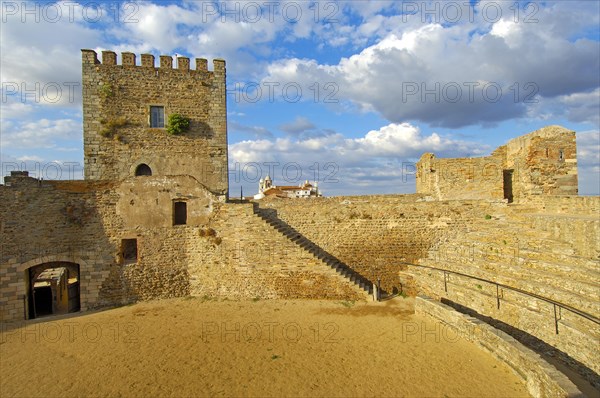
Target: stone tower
[126,109]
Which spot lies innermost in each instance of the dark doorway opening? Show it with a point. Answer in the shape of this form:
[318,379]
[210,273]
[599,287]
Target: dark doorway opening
[53,288]
[179,213]
[508,184]
[42,298]
[143,170]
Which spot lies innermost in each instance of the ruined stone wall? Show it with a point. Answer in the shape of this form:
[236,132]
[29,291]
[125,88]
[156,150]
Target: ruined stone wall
[464,178]
[543,162]
[375,234]
[116,118]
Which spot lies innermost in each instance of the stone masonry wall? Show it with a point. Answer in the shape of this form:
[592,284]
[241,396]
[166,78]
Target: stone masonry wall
[223,249]
[239,255]
[543,162]
[50,221]
[374,235]
[552,255]
[116,118]
[526,246]
[84,222]
[464,178]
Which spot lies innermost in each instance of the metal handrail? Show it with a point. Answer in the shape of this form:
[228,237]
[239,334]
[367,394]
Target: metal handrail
[516,289]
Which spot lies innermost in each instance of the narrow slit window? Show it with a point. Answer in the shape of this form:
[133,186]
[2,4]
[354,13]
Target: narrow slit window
[129,250]
[157,116]
[179,213]
[561,155]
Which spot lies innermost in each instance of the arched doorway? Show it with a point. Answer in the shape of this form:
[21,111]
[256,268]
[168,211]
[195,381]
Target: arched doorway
[53,288]
[143,170]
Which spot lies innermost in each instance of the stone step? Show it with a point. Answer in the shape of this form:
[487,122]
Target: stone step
[472,296]
[498,252]
[584,298]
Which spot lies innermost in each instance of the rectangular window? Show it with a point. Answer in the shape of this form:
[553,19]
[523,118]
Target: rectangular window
[129,252]
[179,213]
[157,116]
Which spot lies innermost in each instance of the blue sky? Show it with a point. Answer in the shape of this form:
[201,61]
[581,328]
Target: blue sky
[369,86]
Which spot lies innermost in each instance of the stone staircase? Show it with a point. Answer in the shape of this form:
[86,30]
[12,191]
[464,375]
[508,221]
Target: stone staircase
[269,216]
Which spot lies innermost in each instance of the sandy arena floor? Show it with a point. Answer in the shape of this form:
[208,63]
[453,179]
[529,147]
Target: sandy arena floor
[192,347]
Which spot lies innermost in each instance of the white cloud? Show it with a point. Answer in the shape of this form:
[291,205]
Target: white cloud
[450,76]
[43,133]
[380,161]
[15,110]
[29,158]
[588,148]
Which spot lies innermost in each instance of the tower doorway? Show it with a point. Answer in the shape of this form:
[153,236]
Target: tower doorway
[53,288]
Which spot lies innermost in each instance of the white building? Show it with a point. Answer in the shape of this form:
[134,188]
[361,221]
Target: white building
[305,190]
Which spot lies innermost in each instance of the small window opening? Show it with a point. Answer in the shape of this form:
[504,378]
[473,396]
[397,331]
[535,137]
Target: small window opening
[179,213]
[143,170]
[129,251]
[157,116]
[561,155]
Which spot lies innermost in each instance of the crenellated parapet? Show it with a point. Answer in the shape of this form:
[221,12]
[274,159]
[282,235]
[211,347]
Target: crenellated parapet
[165,62]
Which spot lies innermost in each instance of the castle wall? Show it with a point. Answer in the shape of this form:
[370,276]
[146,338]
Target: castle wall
[374,235]
[548,246]
[463,178]
[553,255]
[84,222]
[543,162]
[53,221]
[223,250]
[116,118]
[239,255]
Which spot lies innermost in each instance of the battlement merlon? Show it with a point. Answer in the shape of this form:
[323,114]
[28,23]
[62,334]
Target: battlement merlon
[128,59]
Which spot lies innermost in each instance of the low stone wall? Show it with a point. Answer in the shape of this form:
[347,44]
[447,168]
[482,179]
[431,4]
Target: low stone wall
[462,178]
[541,378]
